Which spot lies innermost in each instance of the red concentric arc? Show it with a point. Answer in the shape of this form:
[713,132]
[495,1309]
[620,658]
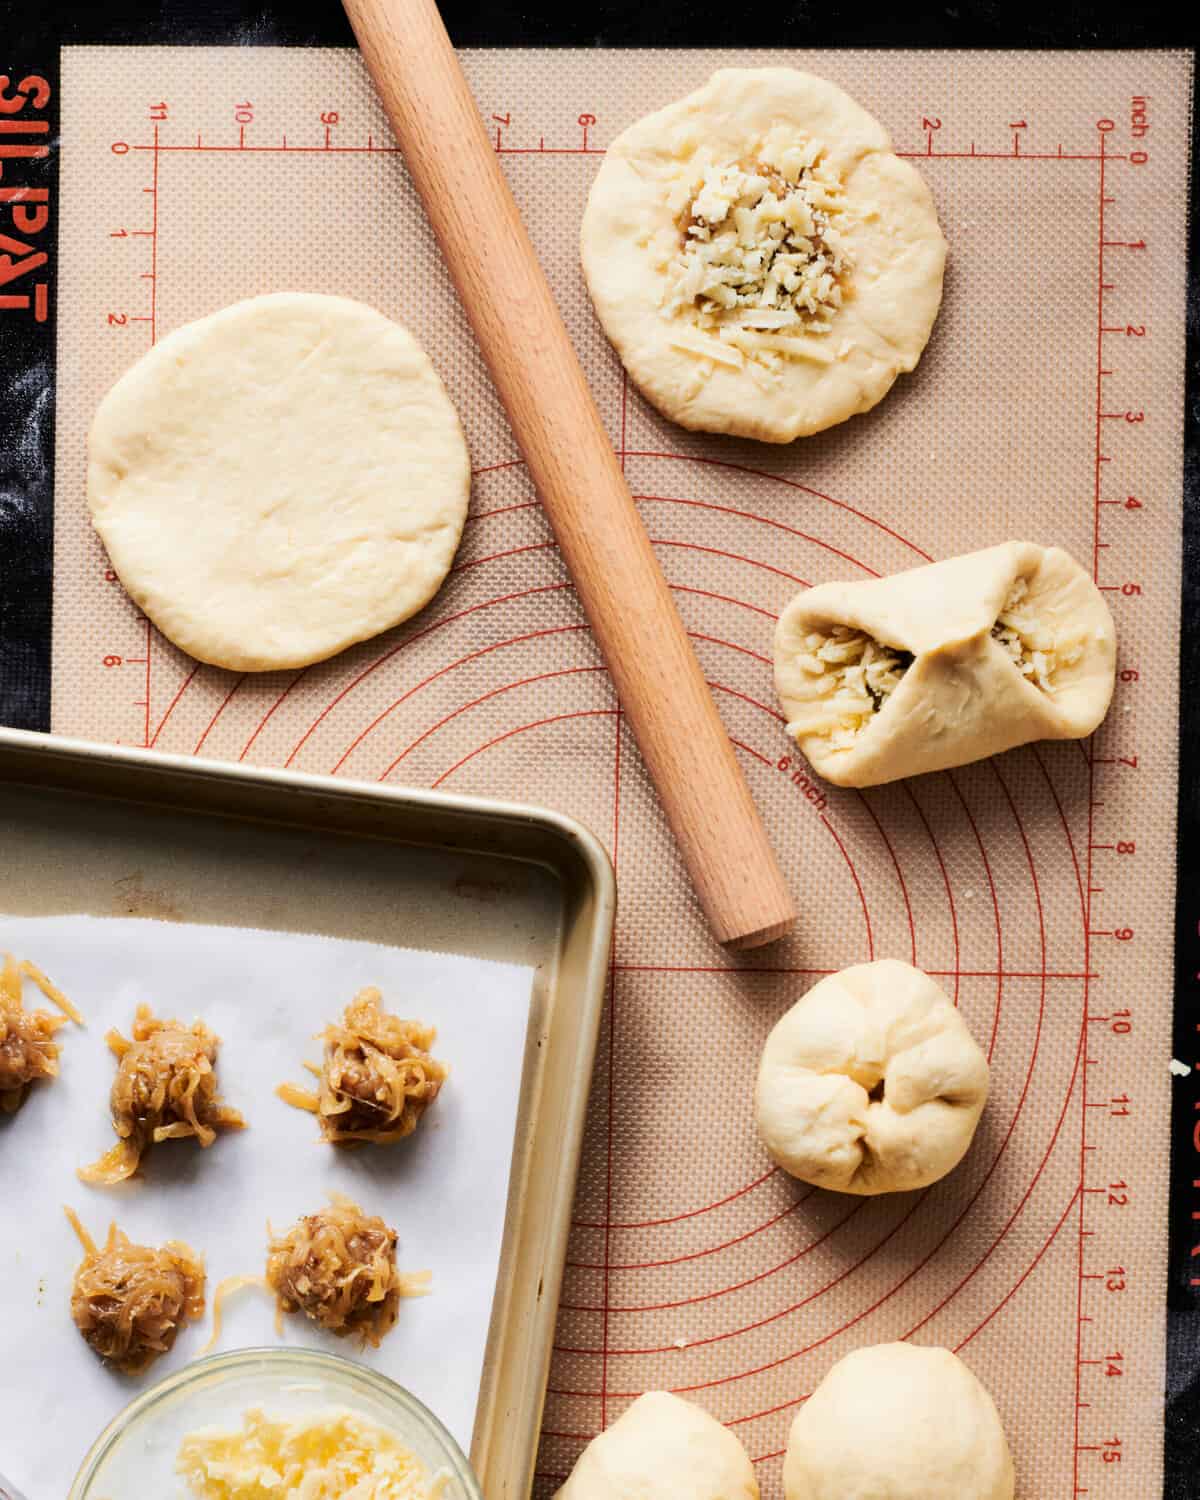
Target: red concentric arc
[723,1291]
[987,868]
[678,1218]
[941,863]
[678,1260]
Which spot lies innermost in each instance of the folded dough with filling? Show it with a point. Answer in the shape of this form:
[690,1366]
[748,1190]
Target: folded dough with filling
[871,1082]
[944,664]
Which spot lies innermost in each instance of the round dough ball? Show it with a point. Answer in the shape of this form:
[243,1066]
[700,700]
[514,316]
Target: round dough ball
[898,1422]
[760,259]
[279,480]
[662,1448]
[871,1083]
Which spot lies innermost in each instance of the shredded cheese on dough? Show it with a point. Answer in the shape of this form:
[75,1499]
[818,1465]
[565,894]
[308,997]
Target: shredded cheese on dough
[849,676]
[762,264]
[334,1455]
[1036,650]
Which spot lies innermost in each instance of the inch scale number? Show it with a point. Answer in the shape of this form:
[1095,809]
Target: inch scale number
[1108,1301]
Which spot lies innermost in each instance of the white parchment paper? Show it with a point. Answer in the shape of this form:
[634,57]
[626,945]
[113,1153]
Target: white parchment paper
[265,994]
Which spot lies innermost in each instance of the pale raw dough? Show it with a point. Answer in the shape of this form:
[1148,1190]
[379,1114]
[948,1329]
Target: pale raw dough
[662,1448]
[279,480]
[898,1422]
[964,659]
[701,370]
[871,1083]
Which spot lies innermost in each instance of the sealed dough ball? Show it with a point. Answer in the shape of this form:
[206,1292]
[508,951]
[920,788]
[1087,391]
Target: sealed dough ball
[279,480]
[760,259]
[871,1083]
[662,1448]
[945,664]
[898,1422]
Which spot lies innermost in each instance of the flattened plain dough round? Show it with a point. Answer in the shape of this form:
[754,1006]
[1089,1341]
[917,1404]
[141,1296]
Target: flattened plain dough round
[664,174]
[279,480]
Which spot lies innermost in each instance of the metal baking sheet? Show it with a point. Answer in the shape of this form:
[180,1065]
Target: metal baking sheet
[125,833]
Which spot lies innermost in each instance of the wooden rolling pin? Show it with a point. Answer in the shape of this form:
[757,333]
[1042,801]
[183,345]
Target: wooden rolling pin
[571,461]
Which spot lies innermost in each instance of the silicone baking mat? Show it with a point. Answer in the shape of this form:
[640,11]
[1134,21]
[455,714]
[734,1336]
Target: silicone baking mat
[1038,887]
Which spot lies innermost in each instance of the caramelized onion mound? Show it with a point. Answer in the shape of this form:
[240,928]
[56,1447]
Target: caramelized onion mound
[28,1051]
[338,1267]
[377,1079]
[165,1089]
[129,1301]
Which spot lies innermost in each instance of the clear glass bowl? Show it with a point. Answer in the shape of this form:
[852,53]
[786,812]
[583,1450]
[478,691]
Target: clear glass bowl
[135,1455]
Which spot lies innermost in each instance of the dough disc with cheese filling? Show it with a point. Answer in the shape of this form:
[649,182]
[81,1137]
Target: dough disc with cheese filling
[279,480]
[761,260]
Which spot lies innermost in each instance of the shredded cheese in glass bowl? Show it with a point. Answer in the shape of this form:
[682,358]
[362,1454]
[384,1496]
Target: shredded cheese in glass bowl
[327,1455]
[276,1424]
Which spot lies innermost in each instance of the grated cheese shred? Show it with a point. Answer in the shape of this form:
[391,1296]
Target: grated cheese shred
[333,1455]
[849,678]
[1038,652]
